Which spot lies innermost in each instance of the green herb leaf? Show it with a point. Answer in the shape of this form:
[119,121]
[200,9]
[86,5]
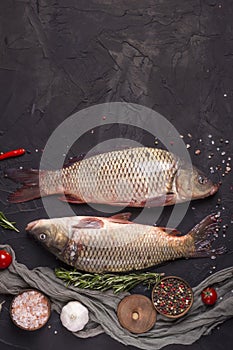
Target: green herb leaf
[5,223]
[103,282]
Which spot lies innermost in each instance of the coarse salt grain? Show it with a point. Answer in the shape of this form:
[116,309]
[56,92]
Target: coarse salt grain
[30,310]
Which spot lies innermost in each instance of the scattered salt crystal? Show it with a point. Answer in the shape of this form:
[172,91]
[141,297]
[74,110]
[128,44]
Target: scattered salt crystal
[55,332]
[190,136]
[226,141]
[225,95]
[223,153]
[36,150]
[181,136]
[197,152]
[210,136]
[228,168]
[213,257]
[212,142]
[188,145]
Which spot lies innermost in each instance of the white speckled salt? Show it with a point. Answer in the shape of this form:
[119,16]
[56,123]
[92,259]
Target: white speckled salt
[30,310]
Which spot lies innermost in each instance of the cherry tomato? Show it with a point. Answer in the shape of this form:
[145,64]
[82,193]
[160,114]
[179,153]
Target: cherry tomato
[209,296]
[5,259]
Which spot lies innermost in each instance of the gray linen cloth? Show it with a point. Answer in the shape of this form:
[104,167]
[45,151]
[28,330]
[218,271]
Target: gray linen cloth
[200,320]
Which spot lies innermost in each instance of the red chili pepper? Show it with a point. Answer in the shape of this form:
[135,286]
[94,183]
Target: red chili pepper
[15,153]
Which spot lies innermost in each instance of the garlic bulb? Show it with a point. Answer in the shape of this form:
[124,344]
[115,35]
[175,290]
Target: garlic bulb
[74,316]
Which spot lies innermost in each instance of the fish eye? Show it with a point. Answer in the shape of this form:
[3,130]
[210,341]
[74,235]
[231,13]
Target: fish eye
[202,180]
[43,236]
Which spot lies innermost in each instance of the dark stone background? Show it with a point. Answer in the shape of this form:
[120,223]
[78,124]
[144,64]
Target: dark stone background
[58,57]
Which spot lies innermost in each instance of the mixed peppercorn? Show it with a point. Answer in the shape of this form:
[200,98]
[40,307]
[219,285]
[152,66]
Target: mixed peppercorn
[172,297]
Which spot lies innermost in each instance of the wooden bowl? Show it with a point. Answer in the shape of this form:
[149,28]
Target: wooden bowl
[136,313]
[30,310]
[172,297]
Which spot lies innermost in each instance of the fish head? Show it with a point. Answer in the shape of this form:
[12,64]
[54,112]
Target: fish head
[192,183]
[49,234]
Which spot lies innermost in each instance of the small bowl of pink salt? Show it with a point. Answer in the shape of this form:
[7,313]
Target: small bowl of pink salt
[30,310]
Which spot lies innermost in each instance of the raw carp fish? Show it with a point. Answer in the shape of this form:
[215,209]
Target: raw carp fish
[135,177]
[97,244]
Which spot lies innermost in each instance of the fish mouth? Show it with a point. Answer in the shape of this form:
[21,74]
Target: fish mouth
[31,225]
[214,189]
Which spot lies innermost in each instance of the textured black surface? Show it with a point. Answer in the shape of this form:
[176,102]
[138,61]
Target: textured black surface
[58,57]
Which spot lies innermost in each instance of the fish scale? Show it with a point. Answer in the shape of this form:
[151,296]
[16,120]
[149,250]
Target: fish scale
[122,251]
[121,176]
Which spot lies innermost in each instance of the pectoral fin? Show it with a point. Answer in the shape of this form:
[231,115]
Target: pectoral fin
[121,218]
[90,222]
[162,200]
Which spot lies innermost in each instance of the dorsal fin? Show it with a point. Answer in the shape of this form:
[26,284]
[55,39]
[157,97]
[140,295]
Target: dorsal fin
[93,153]
[73,160]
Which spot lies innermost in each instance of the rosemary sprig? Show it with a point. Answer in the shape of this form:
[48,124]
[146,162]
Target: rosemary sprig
[5,223]
[105,281]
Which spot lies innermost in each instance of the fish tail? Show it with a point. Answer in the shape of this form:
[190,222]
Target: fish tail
[30,179]
[202,237]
